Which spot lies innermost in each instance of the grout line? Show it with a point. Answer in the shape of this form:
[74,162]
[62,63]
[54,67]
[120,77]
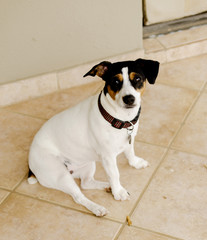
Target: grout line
[149,143]
[84,211]
[142,193]
[164,47]
[172,148]
[150,180]
[13,190]
[185,119]
[67,207]
[184,45]
[177,86]
[53,203]
[5,189]
[24,114]
[116,237]
[20,182]
[186,58]
[43,200]
[189,112]
[158,233]
[188,152]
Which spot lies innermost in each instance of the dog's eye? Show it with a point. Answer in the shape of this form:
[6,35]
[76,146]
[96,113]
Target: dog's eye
[117,82]
[137,78]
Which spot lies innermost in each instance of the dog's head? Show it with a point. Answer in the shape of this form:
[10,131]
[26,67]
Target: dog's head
[125,81]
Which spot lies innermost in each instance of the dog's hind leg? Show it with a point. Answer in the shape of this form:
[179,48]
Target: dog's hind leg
[52,173]
[86,174]
[67,184]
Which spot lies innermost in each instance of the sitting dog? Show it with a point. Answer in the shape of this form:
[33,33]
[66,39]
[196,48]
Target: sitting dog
[99,128]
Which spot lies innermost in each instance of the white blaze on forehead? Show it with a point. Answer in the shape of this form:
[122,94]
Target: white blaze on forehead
[126,88]
[125,74]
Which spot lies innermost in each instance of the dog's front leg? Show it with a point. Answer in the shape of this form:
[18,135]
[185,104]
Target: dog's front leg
[134,161]
[110,166]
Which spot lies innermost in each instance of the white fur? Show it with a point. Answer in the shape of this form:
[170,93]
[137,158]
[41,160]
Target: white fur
[73,140]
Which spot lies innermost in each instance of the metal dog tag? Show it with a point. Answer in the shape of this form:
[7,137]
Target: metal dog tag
[130,139]
[129,132]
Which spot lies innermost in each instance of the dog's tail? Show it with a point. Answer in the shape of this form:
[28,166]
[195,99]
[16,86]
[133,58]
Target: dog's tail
[31,178]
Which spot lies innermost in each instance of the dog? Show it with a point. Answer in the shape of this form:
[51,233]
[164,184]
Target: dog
[98,129]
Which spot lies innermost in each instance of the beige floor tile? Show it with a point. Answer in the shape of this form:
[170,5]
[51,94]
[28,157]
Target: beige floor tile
[187,73]
[16,135]
[193,135]
[131,233]
[163,109]
[132,179]
[186,51]
[159,56]
[56,102]
[175,202]
[183,37]
[152,45]
[3,195]
[25,218]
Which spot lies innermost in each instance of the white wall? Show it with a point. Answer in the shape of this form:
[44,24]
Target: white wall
[166,10]
[40,36]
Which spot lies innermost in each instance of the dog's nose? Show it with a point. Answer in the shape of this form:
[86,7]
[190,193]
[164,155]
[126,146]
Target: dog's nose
[129,99]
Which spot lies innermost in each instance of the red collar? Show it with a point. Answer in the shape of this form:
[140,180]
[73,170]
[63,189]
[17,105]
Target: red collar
[116,123]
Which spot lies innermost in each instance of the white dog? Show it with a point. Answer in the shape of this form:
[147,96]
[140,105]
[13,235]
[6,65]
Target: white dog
[99,128]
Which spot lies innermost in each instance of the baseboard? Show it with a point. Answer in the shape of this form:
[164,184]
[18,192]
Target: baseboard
[25,89]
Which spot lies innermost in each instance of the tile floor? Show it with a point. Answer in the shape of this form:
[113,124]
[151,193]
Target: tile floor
[177,45]
[168,199]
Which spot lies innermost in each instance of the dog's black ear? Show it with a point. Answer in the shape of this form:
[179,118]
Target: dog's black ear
[99,69]
[150,69]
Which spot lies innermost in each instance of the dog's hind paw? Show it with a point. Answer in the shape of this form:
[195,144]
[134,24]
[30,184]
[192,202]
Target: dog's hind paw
[139,163]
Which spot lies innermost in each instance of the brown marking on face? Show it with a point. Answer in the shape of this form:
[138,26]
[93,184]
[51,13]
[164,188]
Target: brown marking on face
[132,75]
[142,82]
[119,77]
[142,89]
[111,92]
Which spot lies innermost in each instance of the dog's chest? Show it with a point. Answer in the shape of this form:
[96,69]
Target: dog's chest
[105,137]
[112,140]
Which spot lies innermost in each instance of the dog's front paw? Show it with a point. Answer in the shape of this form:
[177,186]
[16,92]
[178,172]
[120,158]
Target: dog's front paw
[99,211]
[139,163]
[121,194]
